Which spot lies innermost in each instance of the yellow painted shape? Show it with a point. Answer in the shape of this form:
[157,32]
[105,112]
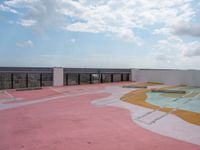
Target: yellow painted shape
[155,83]
[188,116]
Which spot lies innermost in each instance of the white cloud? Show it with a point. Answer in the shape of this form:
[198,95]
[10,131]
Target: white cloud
[175,53]
[8,9]
[23,44]
[192,50]
[185,28]
[82,27]
[163,31]
[27,23]
[19,3]
[163,57]
[72,40]
[116,17]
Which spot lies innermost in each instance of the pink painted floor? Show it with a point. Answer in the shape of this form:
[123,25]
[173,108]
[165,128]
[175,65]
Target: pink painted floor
[73,123]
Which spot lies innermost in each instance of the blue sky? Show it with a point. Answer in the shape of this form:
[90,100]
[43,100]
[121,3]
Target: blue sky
[100,33]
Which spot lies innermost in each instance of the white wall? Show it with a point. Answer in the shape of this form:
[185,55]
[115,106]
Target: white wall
[58,76]
[171,77]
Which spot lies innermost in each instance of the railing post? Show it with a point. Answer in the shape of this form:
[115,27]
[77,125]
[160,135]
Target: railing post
[111,77]
[66,78]
[101,78]
[27,80]
[90,78]
[40,79]
[12,86]
[79,79]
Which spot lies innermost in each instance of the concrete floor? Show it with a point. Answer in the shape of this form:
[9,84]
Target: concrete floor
[82,118]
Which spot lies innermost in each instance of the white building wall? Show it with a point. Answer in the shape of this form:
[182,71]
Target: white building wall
[194,78]
[171,77]
[58,79]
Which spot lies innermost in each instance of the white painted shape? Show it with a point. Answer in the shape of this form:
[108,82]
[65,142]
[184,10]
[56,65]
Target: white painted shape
[7,93]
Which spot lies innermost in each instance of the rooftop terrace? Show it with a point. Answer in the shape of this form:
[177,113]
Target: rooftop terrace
[101,109]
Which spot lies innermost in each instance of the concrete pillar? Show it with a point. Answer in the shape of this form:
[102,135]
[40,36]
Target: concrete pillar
[58,76]
[134,74]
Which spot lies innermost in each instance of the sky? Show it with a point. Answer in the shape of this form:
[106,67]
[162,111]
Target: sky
[100,33]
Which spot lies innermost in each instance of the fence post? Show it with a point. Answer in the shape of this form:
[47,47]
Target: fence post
[12,81]
[40,79]
[111,77]
[101,78]
[27,80]
[66,78]
[79,79]
[122,77]
[90,78]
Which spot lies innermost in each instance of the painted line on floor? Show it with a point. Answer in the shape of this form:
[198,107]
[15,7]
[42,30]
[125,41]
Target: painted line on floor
[8,94]
[11,105]
[55,90]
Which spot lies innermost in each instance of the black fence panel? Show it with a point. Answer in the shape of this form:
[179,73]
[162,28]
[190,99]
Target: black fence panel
[116,77]
[125,77]
[106,78]
[19,80]
[71,79]
[5,81]
[47,79]
[84,78]
[34,80]
[95,78]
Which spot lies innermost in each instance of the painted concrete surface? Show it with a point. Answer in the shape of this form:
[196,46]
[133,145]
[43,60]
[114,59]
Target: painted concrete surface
[165,124]
[22,98]
[88,120]
[15,104]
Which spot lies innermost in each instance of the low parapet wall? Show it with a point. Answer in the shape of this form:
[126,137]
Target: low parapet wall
[31,77]
[167,76]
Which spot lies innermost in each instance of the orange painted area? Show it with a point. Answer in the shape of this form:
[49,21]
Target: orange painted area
[138,97]
[169,87]
[155,83]
[188,116]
